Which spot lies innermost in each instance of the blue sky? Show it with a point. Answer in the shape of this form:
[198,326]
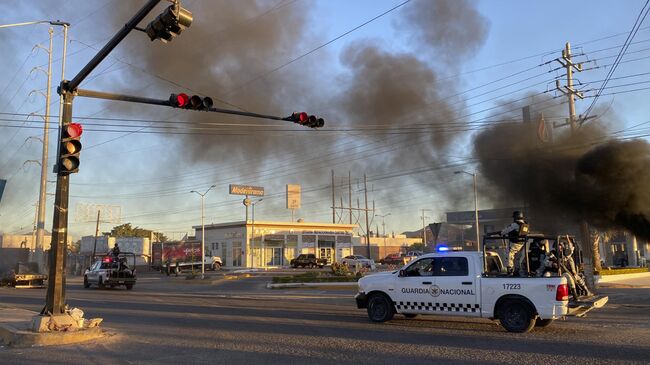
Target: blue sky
[149,175]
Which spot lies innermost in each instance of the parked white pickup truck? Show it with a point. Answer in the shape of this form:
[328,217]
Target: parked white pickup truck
[454,283]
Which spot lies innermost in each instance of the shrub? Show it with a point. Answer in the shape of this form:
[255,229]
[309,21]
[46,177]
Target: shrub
[622,271]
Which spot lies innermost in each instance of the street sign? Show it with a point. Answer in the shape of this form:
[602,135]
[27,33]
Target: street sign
[293,196]
[246,190]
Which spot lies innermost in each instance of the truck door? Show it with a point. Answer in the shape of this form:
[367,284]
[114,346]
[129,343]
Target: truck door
[454,290]
[412,289]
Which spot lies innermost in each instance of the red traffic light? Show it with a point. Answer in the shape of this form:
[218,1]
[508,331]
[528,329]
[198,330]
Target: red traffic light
[179,100]
[305,119]
[74,130]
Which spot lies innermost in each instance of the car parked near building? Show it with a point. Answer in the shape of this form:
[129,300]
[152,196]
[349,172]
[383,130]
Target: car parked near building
[393,259]
[354,260]
[308,260]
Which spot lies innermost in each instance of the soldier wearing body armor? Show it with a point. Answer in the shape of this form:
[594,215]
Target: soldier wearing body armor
[516,233]
[560,260]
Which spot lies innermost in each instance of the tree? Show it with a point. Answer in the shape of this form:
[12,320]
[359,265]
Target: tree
[126,230]
[417,246]
[159,237]
[75,247]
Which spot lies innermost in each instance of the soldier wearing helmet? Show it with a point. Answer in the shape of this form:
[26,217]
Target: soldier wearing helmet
[516,233]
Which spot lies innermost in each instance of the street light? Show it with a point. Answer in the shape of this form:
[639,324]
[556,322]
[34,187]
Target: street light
[253,230]
[203,230]
[475,205]
[40,225]
[383,227]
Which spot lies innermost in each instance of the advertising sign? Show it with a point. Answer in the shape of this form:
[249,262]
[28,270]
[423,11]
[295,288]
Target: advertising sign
[293,196]
[246,190]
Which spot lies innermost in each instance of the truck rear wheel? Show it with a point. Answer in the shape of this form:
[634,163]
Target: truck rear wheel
[516,316]
[541,323]
[380,308]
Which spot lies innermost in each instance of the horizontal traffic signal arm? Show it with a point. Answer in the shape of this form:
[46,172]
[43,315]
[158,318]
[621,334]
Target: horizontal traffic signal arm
[198,103]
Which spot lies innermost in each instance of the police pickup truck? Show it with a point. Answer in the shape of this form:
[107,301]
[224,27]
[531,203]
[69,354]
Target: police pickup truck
[112,271]
[456,284]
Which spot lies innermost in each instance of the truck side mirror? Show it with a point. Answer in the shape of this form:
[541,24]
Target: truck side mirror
[402,273]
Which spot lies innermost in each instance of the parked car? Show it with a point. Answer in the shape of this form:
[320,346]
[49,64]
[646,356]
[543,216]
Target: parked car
[393,259]
[362,261]
[308,260]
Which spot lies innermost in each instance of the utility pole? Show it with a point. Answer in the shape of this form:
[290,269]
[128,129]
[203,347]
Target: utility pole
[424,227]
[333,201]
[40,226]
[96,234]
[568,90]
[349,195]
[42,196]
[572,121]
[365,190]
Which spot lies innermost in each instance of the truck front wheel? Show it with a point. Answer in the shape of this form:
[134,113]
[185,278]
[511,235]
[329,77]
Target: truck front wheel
[516,316]
[380,308]
[86,283]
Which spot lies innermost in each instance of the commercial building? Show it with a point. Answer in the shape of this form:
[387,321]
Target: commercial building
[274,244]
[380,247]
[141,247]
[26,240]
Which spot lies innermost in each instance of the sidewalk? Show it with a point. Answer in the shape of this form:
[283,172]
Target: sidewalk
[15,331]
[640,280]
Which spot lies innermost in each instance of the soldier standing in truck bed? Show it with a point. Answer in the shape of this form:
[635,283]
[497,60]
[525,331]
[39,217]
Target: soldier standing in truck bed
[516,233]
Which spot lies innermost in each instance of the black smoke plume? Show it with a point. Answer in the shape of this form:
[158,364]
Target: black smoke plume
[577,176]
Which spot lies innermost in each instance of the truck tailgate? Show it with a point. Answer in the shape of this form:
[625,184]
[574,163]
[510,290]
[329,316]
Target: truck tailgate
[580,307]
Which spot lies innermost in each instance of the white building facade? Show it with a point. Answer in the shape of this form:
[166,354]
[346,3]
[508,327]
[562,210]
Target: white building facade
[274,244]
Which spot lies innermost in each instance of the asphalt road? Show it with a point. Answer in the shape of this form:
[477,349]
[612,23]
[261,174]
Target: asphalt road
[175,321]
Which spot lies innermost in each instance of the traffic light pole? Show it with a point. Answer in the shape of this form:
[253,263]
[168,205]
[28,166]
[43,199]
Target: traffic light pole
[165,102]
[55,299]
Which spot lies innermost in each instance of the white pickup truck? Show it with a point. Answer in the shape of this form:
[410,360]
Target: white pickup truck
[454,283]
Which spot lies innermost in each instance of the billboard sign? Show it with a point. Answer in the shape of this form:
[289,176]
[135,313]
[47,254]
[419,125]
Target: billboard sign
[246,190]
[293,196]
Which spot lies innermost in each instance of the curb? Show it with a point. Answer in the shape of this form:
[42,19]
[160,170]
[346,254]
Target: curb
[14,337]
[302,285]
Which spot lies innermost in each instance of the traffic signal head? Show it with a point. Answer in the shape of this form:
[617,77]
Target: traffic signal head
[69,149]
[303,118]
[193,102]
[169,24]
[179,100]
